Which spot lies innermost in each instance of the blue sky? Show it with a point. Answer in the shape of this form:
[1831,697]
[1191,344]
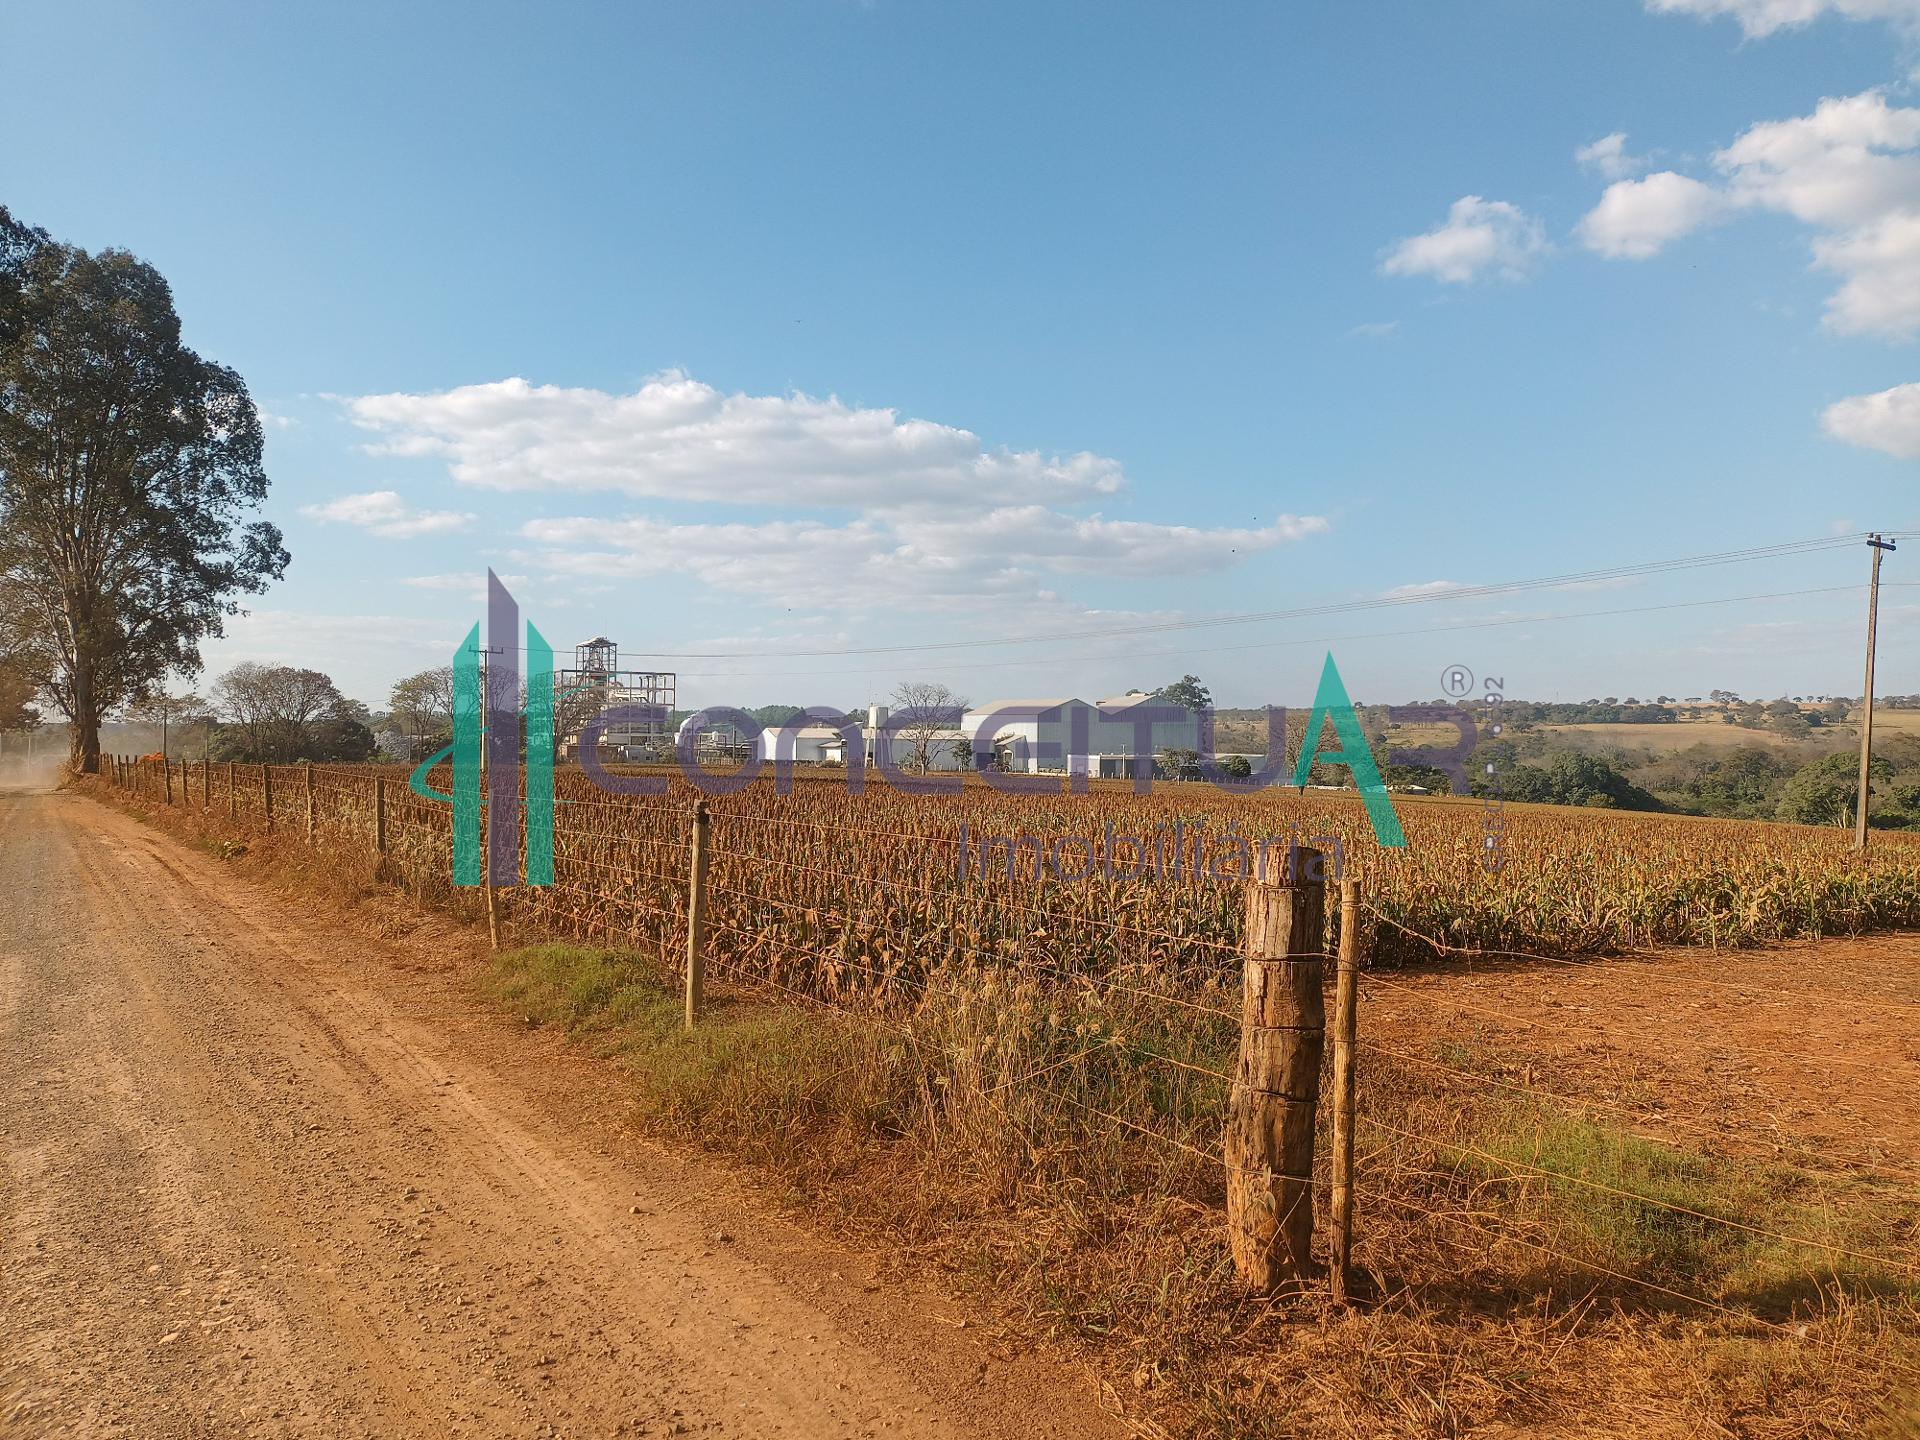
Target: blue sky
[761,330]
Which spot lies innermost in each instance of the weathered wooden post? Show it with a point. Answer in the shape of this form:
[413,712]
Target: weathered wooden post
[186,784]
[697,914]
[380,815]
[166,770]
[1346,1024]
[233,791]
[206,784]
[312,813]
[266,794]
[1276,1087]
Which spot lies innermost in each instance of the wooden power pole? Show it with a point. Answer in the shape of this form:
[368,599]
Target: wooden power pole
[1879,547]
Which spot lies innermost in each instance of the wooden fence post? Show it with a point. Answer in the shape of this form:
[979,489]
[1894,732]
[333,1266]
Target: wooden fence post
[1346,1024]
[266,794]
[206,784]
[233,791]
[186,784]
[166,769]
[1276,1087]
[697,914]
[379,815]
[312,816]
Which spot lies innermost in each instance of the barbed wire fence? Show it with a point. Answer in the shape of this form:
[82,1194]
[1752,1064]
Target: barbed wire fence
[763,914]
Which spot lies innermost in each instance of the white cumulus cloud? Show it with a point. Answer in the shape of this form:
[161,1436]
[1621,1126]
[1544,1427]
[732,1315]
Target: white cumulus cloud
[1888,420]
[1760,18]
[676,438]
[385,514]
[931,516]
[1608,156]
[1005,558]
[1635,219]
[1848,163]
[1850,170]
[1479,238]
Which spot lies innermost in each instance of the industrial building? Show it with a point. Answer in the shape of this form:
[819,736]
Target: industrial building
[597,684]
[1067,735]
[947,749]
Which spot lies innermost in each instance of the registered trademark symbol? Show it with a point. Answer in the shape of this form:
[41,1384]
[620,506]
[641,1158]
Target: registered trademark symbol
[1456,680]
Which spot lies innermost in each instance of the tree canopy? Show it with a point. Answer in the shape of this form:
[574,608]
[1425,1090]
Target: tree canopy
[420,711]
[1825,792]
[1186,692]
[280,713]
[129,470]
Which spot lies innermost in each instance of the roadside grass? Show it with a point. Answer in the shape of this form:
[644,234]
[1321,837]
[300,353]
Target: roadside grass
[777,1086]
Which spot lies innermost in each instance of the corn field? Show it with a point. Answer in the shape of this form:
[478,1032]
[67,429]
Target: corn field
[832,893]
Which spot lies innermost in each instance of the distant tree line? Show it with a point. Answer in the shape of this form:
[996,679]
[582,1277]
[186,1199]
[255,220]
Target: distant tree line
[260,715]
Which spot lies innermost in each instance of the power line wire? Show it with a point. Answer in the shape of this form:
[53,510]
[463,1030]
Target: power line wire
[1054,660]
[1388,601]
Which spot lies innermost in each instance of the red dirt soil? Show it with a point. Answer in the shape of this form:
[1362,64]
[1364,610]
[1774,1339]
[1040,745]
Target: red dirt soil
[1808,1051]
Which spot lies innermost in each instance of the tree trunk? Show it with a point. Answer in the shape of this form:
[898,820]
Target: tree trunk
[84,739]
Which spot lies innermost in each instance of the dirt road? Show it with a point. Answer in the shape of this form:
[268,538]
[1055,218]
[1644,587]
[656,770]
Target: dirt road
[262,1178]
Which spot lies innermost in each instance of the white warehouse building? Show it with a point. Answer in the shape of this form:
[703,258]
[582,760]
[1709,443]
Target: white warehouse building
[1064,734]
[1050,735]
[826,745]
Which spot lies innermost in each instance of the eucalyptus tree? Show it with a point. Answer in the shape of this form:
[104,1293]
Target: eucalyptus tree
[130,471]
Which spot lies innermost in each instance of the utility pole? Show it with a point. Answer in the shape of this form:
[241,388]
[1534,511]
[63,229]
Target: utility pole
[1879,547]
